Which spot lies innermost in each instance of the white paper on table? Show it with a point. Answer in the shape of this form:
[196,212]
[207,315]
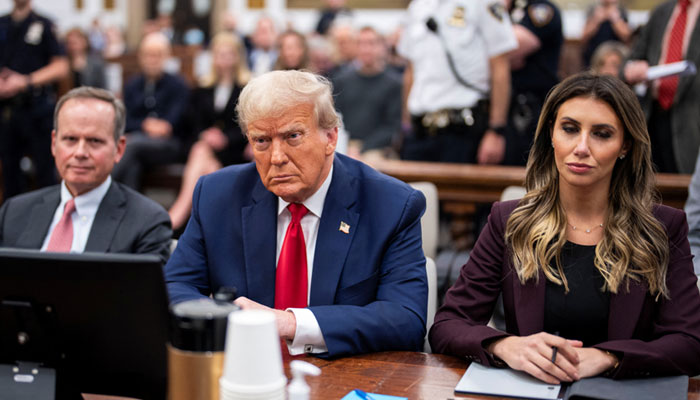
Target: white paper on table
[677,68]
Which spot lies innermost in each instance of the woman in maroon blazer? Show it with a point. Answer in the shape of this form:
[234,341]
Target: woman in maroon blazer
[587,262]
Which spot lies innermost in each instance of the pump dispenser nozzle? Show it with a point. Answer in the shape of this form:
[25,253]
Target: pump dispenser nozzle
[298,389]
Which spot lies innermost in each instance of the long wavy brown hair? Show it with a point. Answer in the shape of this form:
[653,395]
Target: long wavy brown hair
[634,244]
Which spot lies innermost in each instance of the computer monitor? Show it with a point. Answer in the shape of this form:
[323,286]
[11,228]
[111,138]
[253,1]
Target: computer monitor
[101,320]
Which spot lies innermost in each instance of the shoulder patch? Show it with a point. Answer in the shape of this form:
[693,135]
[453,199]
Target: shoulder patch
[540,14]
[498,10]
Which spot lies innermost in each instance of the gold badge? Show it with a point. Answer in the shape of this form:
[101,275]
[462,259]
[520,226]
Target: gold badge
[458,18]
[540,14]
[498,10]
[345,228]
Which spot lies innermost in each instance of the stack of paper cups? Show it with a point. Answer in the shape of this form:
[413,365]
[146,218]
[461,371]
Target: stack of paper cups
[253,361]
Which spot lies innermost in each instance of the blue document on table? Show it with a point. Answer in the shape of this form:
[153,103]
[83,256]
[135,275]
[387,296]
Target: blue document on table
[479,379]
[354,396]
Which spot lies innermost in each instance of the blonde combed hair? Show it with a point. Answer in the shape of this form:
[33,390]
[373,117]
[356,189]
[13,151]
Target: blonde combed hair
[241,73]
[634,244]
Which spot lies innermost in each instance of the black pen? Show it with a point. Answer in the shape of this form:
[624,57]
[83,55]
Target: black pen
[555,349]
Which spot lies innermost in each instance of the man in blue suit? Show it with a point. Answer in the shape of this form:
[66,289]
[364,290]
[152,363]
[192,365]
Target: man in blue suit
[333,245]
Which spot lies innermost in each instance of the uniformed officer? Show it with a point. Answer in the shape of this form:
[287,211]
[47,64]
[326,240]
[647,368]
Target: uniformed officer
[30,60]
[534,65]
[459,80]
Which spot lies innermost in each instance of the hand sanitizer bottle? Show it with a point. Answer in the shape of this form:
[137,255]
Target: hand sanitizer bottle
[298,389]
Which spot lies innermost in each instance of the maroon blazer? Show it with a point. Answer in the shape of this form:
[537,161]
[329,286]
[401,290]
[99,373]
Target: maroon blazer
[650,337]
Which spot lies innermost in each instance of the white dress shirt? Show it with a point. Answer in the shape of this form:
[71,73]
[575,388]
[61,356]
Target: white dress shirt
[86,206]
[308,337]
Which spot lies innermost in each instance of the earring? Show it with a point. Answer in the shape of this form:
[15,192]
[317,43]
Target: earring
[622,156]
[552,144]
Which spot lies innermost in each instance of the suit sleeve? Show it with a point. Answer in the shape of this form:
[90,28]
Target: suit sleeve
[674,348]
[460,324]
[156,234]
[692,209]
[186,273]
[395,320]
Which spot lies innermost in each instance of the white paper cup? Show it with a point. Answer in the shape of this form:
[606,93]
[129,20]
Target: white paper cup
[252,360]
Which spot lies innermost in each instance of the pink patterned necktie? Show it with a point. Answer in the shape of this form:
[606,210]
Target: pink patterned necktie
[674,52]
[62,235]
[291,283]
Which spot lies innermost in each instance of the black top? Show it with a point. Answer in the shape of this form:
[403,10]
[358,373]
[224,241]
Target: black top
[166,99]
[581,314]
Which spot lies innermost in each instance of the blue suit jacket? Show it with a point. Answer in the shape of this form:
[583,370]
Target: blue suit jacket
[368,288]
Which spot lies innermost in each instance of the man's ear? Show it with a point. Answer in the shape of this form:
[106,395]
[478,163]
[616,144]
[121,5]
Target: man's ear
[121,147]
[332,136]
[53,143]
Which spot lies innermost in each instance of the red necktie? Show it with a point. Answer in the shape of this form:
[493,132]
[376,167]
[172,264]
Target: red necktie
[62,235]
[292,280]
[674,52]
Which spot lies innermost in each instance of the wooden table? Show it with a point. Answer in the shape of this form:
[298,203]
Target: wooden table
[405,374]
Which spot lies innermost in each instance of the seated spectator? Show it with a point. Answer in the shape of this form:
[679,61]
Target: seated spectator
[368,96]
[293,53]
[320,55]
[87,67]
[608,58]
[211,116]
[155,102]
[87,211]
[262,53]
[596,276]
[344,39]
[606,20]
[115,45]
[348,276]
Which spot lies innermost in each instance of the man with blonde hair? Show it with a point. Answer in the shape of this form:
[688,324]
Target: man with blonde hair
[331,244]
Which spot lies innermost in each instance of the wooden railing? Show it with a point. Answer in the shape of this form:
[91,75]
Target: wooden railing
[473,184]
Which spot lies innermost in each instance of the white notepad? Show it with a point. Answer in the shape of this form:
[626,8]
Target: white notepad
[479,379]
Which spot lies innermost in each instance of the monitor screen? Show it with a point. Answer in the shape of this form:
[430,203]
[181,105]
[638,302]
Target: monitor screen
[101,320]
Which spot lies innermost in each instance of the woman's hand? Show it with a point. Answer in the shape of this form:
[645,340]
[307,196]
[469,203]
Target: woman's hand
[593,362]
[533,354]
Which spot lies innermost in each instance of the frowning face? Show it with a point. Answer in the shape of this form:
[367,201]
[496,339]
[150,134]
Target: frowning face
[588,138]
[83,144]
[292,154]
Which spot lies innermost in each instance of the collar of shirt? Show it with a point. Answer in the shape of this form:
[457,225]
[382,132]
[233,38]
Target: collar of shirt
[314,203]
[86,204]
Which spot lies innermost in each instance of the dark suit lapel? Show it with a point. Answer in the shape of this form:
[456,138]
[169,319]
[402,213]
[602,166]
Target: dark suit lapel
[692,54]
[529,304]
[332,243]
[40,220]
[109,215]
[259,222]
[625,308]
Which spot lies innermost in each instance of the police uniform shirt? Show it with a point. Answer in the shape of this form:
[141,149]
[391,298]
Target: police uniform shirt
[543,19]
[473,31]
[28,45]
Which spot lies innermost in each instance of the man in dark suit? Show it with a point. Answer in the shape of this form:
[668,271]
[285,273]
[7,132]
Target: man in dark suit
[87,211]
[331,244]
[671,104]
[155,103]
